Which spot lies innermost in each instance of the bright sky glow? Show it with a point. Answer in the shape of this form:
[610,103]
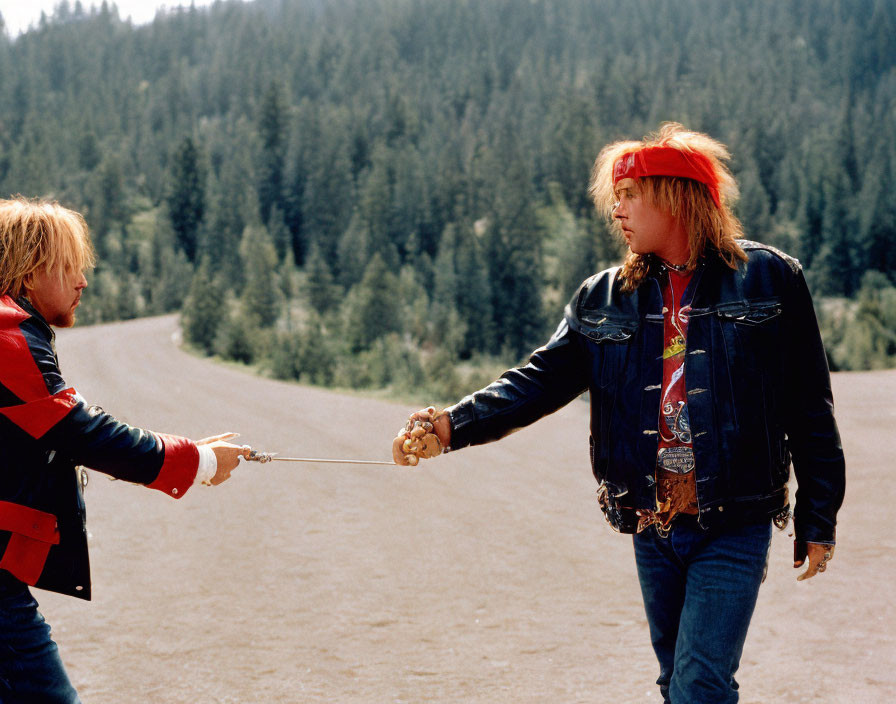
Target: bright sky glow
[19,15]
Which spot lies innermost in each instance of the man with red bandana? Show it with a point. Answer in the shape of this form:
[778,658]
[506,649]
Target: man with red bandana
[47,431]
[708,380]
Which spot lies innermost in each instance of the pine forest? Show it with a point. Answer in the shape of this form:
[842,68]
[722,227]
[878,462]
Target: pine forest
[391,194]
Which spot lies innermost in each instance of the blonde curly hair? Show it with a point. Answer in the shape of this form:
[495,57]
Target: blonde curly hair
[708,226]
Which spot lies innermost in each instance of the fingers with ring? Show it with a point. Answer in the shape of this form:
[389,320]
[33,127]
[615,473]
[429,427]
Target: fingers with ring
[256,456]
[418,437]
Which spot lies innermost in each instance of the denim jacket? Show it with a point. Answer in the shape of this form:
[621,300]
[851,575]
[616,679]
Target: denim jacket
[758,388]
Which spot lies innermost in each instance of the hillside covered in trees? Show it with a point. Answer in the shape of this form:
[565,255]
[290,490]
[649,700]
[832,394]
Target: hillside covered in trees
[379,193]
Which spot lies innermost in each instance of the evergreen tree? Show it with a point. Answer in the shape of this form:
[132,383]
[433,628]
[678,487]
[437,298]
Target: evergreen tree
[753,206]
[320,288]
[186,195]
[372,308]
[474,295]
[229,212]
[445,291]
[202,310]
[353,253]
[237,338]
[260,303]
[877,209]
[836,272]
[89,153]
[173,272]
[111,205]
[513,251]
[329,193]
[272,131]
[316,362]
[280,235]
[376,202]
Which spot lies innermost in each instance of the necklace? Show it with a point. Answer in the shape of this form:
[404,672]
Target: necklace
[680,268]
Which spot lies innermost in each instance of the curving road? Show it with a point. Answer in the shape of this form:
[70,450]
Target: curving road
[487,575]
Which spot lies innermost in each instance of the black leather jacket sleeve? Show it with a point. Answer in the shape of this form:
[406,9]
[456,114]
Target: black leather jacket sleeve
[62,423]
[93,438]
[812,434]
[554,375]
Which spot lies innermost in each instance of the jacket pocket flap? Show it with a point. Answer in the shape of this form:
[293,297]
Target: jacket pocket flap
[602,328]
[751,313]
[27,521]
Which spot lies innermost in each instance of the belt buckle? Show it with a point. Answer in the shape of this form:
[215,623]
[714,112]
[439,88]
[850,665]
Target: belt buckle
[678,459]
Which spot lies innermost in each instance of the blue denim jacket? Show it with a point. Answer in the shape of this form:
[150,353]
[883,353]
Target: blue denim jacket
[758,386]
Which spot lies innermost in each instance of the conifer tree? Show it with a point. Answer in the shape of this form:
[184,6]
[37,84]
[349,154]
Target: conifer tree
[372,308]
[513,252]
[836,265]
[260,302]
[203,309]
[353,253]
[320,288]
[272,131]
[111,206]
[280,235]
[329,193]
[186,195]
[228,214]
[474,294]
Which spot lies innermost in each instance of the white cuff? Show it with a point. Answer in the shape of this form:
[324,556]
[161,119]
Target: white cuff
[208,464]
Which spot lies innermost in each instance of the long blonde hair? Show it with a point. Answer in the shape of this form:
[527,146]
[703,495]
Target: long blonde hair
[40,235]
[708,226]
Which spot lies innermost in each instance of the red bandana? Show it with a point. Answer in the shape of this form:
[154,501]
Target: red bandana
[667,161]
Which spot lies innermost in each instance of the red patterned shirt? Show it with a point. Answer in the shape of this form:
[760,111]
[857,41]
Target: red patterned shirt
[676,489]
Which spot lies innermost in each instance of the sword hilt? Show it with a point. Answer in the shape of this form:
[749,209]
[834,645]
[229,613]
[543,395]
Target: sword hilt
[256,456]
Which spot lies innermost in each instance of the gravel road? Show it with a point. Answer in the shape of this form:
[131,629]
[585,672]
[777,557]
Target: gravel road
[487,575]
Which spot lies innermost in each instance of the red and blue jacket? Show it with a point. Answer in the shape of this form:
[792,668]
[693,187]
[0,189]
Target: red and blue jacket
[46,431]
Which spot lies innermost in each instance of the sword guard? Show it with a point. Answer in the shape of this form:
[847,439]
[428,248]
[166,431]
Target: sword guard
[256,456]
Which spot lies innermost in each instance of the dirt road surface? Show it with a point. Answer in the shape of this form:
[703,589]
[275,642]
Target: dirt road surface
[487,575]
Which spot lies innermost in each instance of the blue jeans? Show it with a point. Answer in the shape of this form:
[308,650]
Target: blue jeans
[699,590]
[30,668]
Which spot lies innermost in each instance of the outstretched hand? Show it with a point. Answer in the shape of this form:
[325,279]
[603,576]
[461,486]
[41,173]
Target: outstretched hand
[818,554]
[227,455]
[426,433]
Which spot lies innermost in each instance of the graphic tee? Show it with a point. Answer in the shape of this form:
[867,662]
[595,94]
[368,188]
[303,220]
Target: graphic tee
[676,490]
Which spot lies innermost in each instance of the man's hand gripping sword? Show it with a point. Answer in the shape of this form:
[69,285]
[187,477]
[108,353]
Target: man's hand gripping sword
[418,439]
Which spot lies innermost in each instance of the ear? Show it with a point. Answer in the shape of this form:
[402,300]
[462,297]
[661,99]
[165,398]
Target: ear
[29,282]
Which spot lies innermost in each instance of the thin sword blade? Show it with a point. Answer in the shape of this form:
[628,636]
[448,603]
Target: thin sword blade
[329,461]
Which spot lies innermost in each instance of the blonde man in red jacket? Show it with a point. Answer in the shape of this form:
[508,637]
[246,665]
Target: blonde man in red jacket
[47,431]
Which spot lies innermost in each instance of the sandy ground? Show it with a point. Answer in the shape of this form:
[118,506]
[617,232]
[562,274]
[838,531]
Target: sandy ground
[487,575]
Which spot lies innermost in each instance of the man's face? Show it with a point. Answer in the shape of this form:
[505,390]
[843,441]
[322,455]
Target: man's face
[647,228]
[56,296]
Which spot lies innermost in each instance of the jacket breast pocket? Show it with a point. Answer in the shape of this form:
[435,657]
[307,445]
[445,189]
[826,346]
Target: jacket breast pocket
[752,334]
[612,338]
